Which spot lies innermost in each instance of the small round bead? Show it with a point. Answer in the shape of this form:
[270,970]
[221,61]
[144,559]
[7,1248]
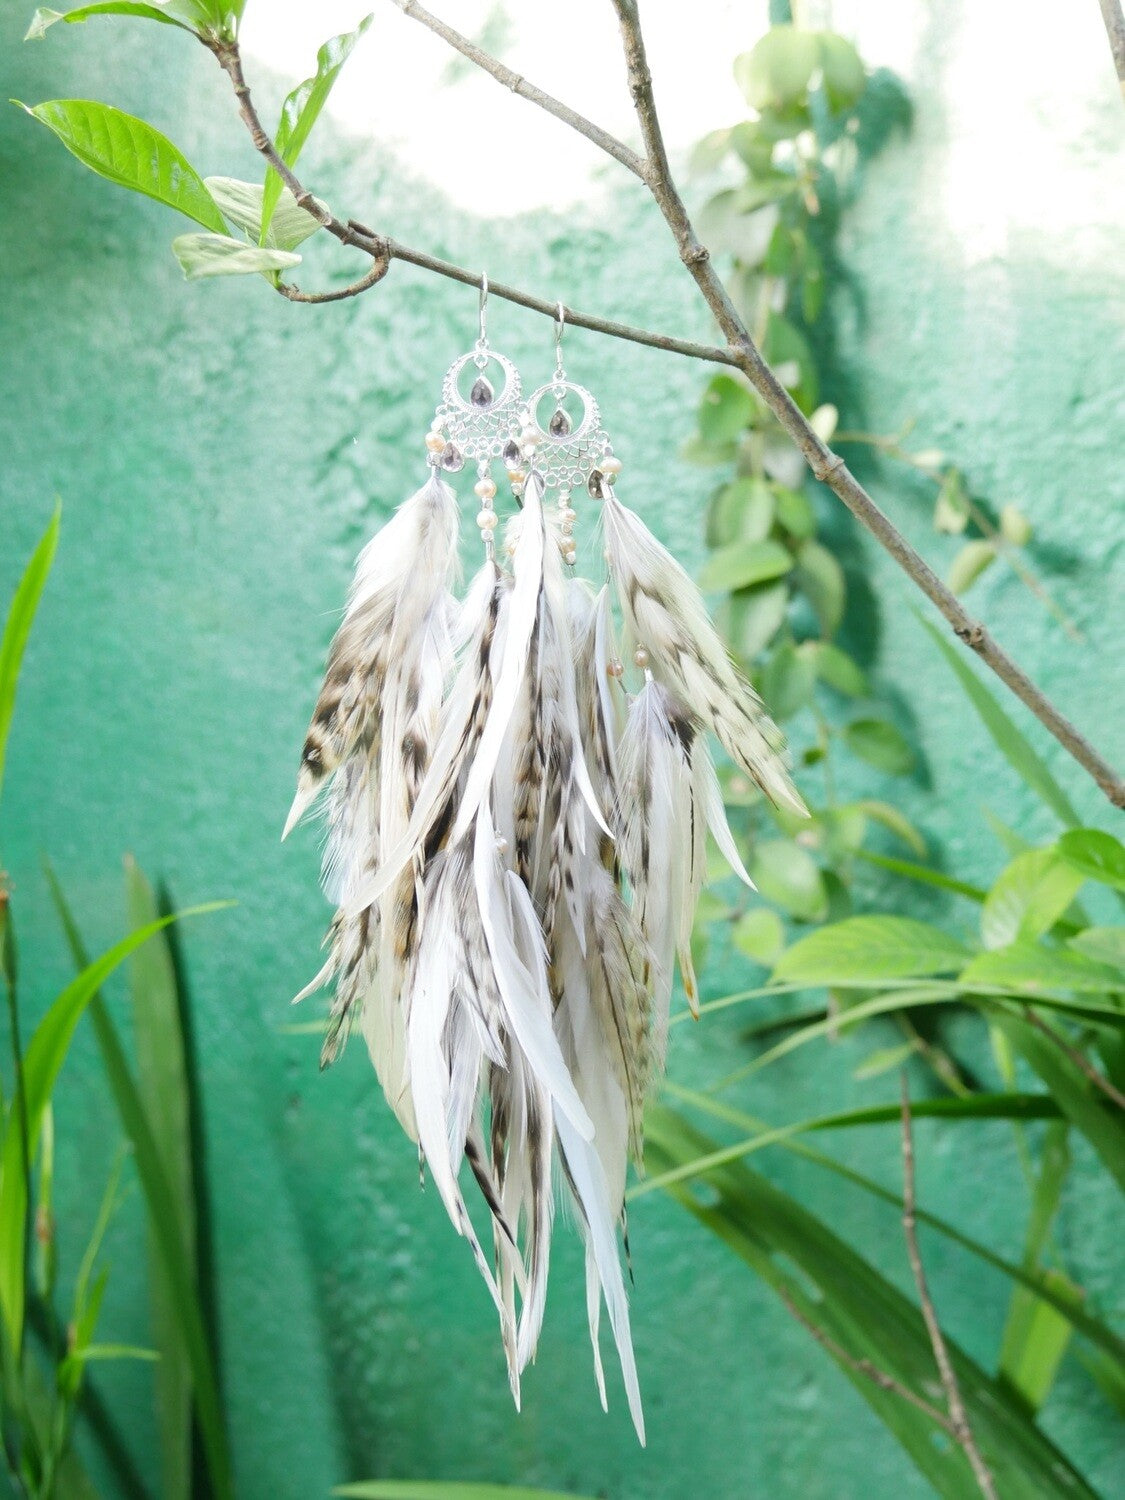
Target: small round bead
[615,669]
[611,467]
[640,656]
[486,520]
[501,845]
[570,557]
[485,488]
[437,424]
[530,437]
[434,441]
[517,476]
[569,516]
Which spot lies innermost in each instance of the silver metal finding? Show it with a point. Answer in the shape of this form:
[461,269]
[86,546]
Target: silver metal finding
[477,424]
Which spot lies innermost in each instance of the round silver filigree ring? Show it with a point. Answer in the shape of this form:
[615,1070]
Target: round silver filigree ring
[569,458]
[479,432]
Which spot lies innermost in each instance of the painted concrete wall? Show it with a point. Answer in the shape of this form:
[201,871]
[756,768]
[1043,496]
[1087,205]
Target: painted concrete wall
[221,456]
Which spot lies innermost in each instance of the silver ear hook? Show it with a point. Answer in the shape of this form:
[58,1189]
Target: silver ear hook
[482,310]
[560,327]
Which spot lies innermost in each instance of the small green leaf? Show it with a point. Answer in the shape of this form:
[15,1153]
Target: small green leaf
[725,410]
[845,77]
[1028,898]
[868,949]
[794,512]
[822,579]
[709,153]
[788,680]
[883,1060]
[45,18]
[1095,855]
[741,511]
[789,877]
[777,69]
[836,668]
[754,616]
[203,255]
[1014,526]
[17,628]
[241,204]
[1028,969]
[951,510]
[881,745]
[125,150]
[302,108]
[970,563]
[1007,737]
[895,822]
[760,935]
[923,875]
[743,564]
[1105,945]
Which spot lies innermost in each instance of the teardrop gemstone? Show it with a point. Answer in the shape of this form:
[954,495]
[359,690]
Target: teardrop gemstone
[482,394]
[511,454]
[560,423]
[452,458]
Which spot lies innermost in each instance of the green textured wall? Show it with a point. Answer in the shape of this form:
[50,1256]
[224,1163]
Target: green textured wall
[221,457]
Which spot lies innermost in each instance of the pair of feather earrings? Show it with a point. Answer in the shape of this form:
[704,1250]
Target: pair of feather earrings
[517,840]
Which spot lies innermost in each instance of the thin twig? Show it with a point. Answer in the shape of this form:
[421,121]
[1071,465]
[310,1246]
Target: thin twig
[958,1416]
[742,353]
[866,1367]
[520,85]
[379,269]
[1115,29]
[1078,1058]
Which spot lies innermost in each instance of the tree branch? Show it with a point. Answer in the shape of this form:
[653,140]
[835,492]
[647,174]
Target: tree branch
[519,85]
[958,1416]
[741,352]
[1077,1057]
[379,269]
[1115,30]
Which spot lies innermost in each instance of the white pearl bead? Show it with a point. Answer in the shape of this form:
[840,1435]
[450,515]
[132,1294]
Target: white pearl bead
[485,488]
[570,557]
[517,476]
[640,656]
[486,520]
[435,442]
[501,845]
[611,466]
[437,424]
[530,437]
[569,516]
[615,669]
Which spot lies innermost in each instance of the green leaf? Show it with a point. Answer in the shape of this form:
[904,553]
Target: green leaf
[1028,899]
[970,563]
[760,935]
[836,668]
[1105,945]
[17,628]
[881,745]
[951,509]
[741,511]
[1089,1111]
[441,1489]
[125,150]
[164,1211]
[860,1310]
[744,564]
[845,77]
[785,344]
[883,1060]
[776,71]
[895,822]
[869,949]
[163,1088]
[1014,526]
[788,680]
[709,153]
[726,408]
[45,18]
[1007,737]
[822,579]
[240,203]
[302,108]
[1095,855]
[44,1057]
[203,255]
[794,512]
[923,875]
[789,877]
[754,616]
[1027,969]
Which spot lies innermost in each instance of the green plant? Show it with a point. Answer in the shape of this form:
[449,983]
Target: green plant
[45,1358]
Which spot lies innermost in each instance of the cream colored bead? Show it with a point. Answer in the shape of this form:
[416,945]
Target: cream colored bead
[569,516]
[501,845]
[485,489]
[570,558]
[640,656]
[437,424]
[486,520]
[435,442]
[517,476]
[615,669]
[530,437]
[611,466]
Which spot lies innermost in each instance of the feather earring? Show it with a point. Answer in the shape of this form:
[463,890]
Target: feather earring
[516,844]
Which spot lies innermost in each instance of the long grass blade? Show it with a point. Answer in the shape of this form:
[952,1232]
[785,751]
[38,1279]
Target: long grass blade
[18,626]
[440,1489]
